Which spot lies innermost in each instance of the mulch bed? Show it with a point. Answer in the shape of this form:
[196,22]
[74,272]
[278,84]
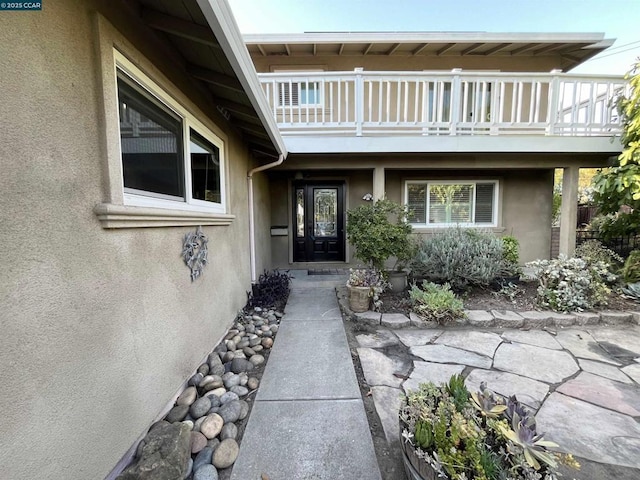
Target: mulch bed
[478,298]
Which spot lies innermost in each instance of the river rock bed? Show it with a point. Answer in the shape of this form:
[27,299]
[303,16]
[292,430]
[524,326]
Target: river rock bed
[208,417]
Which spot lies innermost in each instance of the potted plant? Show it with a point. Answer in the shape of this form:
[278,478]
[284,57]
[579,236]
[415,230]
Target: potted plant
[365,286]
[451,434]
[379,231]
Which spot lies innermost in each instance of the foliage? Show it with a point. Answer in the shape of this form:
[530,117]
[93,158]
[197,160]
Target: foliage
[436,302]
[478,436]
[631,270]
[593,251]
[632,291]
[619,186]
[572,284]
[510,291]
[368,277]
[556,206]
[271,291]
[510,255]
[379,231]
[461,257]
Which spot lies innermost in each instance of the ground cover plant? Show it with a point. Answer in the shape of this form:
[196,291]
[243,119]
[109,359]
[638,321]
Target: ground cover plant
[271,291]
[435,302]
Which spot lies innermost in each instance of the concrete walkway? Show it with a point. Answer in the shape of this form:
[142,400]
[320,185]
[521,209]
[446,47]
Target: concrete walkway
[308,420]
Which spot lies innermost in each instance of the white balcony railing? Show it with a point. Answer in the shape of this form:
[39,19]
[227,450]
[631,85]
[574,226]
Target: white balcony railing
[443,103]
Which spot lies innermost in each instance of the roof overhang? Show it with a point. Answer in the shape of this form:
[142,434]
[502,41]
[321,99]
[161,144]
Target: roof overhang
[206,35]
[574,48]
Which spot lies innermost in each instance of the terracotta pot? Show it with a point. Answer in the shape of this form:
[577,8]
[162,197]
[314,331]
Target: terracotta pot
[359,299]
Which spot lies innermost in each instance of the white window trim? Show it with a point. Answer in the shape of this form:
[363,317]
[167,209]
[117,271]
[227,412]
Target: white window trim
[301,69]
[427,225]
[131,198]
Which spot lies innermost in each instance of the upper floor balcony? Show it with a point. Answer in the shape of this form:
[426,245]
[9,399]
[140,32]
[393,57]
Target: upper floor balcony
[330,111]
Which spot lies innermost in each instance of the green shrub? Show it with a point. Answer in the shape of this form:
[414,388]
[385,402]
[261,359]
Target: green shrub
[593,251]
[572,284]
[460,257]
[631,271]
[436,302]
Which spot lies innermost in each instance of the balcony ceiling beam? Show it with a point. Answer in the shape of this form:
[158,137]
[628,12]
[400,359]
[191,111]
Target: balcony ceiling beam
[549,48]
[573,58]
[524,48]
[472,48]
[368,49]
[341,49]
[214,78]
[446,48]
[234,107]
[497,48]
[286,47]
[420,49]
[263,142]
[179,27]
[315,49]
[261,49]
[252,128]
[392,50]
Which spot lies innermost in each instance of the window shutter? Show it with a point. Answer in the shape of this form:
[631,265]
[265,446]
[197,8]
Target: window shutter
[288,94]
[484,203]
[417,202]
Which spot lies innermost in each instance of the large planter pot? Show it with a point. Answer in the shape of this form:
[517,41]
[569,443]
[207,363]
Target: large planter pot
[415,467]
[397,280]
[359,299]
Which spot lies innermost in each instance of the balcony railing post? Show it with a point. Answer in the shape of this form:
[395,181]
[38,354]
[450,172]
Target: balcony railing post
[553,107]
[456,100]
[359,99]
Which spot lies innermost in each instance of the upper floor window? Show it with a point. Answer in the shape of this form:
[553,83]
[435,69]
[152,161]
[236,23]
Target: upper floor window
[446,203]
[169,159]
[299,94]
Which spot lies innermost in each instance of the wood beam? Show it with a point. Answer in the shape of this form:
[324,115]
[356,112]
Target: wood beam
[470,49]
[178,27]
[258,141]
[548,48]
[445,49]
[235,107]
[366,50]
[420,49]
[254,129]
[573,58]
[286,47]
[497,48]
[392,50]
[341,49]
[214,78]
[264,54]
[524,48]
[315,49]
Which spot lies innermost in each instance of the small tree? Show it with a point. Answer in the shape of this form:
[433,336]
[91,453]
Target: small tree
[617,189]
[379,231]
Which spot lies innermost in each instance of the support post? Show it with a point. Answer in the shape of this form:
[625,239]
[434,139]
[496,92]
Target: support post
[569,210]
[378,183]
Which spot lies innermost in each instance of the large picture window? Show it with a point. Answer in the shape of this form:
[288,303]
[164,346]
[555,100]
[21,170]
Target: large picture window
[169,159]
[446,203]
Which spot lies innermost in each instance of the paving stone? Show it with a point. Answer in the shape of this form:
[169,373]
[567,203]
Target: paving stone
[603,370]
[535,319]
[582,345]
[617,396]
[587,318]
[484,343]
[562,319]
[380,339]
[395,320]
[528,391]
[615,318]
[369,317]
[479,318]
[607,437]
[633,371]
[387,401]
[538,338]
[424,372]
[418,322]
[444,354]
[622,341]
[507,318]
[636,317]
[550,366]
[378,369]
[413,338]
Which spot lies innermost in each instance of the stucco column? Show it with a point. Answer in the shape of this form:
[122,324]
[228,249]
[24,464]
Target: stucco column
[378,183]
[569,210]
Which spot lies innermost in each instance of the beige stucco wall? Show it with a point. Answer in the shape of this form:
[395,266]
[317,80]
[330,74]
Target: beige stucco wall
[408,63]
[99,327]
[525,194]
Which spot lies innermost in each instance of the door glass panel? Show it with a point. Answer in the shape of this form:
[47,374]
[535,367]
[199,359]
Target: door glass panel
[300,212]
[325,211]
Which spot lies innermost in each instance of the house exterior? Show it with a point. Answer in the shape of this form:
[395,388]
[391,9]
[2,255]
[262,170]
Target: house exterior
[113,149]
[464,128]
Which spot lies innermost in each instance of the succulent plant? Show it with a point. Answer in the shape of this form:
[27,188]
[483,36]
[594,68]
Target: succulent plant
[486,402]
[632,291]
[533,445]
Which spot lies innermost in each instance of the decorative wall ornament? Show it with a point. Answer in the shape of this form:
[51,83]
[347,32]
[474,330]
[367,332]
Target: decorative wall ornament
[194,252]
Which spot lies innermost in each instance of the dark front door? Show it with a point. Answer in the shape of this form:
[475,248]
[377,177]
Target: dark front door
[318,219]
